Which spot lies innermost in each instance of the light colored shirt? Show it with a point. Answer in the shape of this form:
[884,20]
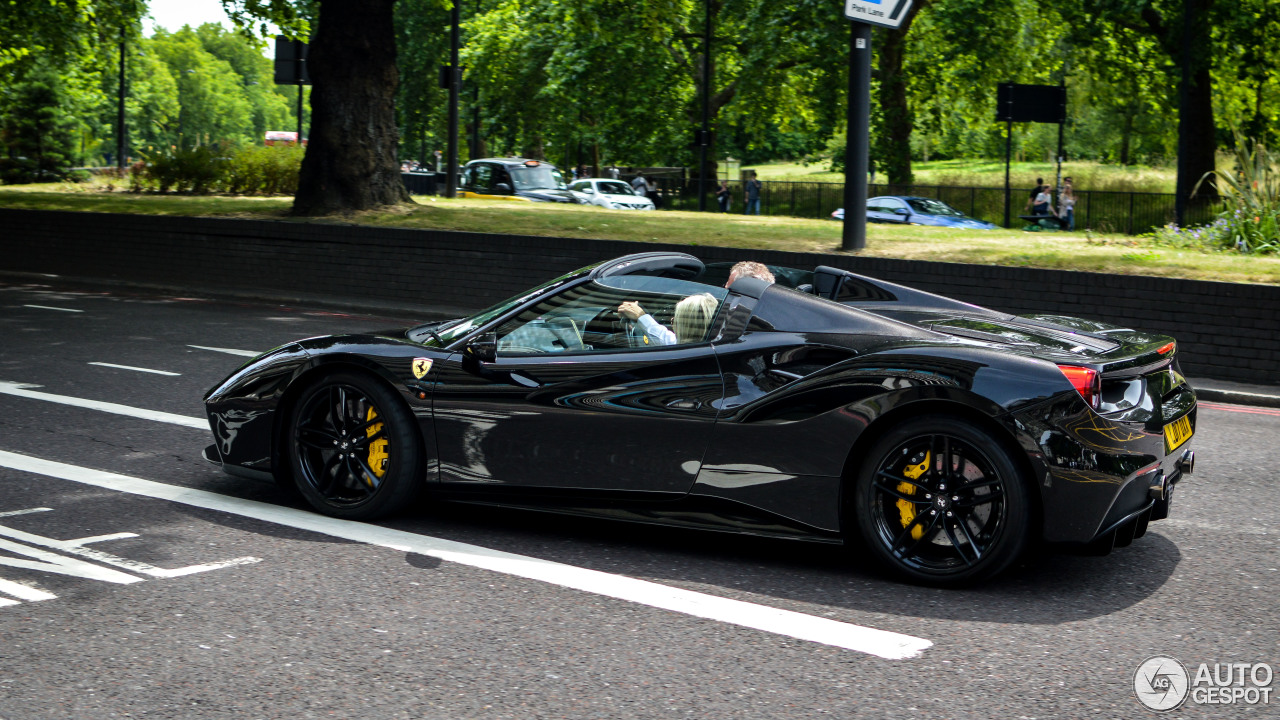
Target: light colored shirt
[655,331]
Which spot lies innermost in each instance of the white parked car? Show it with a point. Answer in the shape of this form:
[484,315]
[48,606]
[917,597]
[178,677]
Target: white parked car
[612,194]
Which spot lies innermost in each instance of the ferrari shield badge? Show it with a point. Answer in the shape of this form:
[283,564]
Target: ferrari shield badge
[421,366]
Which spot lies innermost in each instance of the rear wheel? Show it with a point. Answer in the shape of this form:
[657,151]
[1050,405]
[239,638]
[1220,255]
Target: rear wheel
[940,502]
[353,448]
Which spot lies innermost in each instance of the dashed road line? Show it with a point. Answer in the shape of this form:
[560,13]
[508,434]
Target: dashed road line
[881,643]
[47,307]
[135,369]
[25,391]
[229,351]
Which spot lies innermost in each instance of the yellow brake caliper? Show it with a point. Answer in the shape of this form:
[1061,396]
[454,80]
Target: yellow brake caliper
[906,508]
[377,449]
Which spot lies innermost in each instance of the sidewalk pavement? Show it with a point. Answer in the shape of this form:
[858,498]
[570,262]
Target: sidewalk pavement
[1236,392]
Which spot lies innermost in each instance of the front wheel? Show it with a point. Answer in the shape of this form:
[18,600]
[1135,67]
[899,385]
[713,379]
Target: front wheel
[354,448]
[940,502]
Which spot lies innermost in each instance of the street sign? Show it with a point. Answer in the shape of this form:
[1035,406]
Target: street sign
[291,62]
[884,13]
[1031,103]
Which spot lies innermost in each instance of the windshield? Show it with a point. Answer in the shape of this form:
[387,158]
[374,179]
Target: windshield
[929,206]
[615,188]
[442,334]
[542,177]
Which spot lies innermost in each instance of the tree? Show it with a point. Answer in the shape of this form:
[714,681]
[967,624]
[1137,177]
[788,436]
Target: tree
[351,161]
[211,97]
[38,127]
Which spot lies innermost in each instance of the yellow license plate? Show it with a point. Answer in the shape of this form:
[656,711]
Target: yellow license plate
[1177,432]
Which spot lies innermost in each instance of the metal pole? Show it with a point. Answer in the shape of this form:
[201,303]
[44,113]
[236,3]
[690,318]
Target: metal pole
[1008,154]
[451,163]
[121,149]
[706,110]
[857,149]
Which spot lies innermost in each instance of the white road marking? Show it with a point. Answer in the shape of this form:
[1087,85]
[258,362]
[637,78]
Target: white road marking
[135,369]
[28,511]
[45,561]
[77,547]
[229,351]
[46,307]
[25,592]
[881,643]
[24,390]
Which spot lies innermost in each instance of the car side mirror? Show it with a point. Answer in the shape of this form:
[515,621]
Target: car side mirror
[902,211]
[589,191]
[484,348]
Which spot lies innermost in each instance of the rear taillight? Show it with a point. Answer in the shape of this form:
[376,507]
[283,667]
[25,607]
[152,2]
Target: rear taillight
[1086,381]
[1167,348]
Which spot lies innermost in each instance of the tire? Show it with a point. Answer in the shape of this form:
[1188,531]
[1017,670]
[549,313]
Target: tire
[345,463]
[939,528]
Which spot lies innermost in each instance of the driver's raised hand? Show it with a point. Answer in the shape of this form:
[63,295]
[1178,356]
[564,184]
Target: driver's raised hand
[630,310]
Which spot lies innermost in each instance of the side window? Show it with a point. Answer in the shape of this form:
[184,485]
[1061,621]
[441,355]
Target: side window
[482,177]
[586,318]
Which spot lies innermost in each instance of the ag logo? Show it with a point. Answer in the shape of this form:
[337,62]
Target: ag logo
[1161,683]
[421,366]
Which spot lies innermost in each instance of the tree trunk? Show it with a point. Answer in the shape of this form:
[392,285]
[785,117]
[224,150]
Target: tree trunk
[1196,133]
[351,161]
[893,145]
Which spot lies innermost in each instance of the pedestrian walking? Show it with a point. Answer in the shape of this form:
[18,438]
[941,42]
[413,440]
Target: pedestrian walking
[753,196]
[640,185]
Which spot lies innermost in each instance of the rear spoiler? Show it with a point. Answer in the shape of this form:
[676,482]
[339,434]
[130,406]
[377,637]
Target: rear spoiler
[862,291]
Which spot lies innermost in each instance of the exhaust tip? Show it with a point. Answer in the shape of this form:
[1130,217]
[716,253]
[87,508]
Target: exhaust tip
[1157,486]
[1188,463]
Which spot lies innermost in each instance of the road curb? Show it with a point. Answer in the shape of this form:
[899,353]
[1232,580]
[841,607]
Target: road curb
[1238,398]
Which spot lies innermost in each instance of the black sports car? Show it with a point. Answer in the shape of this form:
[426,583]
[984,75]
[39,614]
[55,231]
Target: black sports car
[829,406]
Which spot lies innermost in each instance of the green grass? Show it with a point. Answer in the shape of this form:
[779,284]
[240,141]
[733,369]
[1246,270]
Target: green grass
[1064,251]
[990,173]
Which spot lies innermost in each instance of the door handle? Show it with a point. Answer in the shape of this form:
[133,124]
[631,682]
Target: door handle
[684,404]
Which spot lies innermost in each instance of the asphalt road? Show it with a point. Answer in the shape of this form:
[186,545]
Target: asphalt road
[122,597]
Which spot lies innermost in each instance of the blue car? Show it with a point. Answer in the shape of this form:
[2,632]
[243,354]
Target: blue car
[906,210]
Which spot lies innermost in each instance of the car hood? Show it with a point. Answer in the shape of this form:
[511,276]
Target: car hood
[549,195]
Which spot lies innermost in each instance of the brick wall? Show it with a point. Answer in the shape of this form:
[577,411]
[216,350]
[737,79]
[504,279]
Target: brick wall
[1225,331]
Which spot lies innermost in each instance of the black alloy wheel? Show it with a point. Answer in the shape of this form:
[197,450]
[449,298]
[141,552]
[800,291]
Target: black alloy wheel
[354,449]
[940,502]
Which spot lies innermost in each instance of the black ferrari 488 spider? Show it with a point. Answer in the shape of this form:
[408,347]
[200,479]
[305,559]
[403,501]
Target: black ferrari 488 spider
[943,437]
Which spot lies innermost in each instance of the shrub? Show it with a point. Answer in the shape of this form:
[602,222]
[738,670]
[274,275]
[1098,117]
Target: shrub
[264,170]
[196,170]
[1250,222]
[246,171]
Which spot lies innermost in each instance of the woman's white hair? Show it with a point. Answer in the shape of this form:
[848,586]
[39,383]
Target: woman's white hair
[693,316]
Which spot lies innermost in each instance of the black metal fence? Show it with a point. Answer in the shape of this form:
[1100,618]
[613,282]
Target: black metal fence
[1130,213]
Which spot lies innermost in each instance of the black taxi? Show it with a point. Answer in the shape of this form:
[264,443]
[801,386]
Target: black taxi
[515,179]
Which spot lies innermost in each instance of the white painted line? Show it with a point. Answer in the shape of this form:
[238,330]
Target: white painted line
[46,307]
[25,391]
[881,643]
[136,369]
[11,513]
[26,592]
[105,538]
[6,602]
[229,351]
[77,547]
